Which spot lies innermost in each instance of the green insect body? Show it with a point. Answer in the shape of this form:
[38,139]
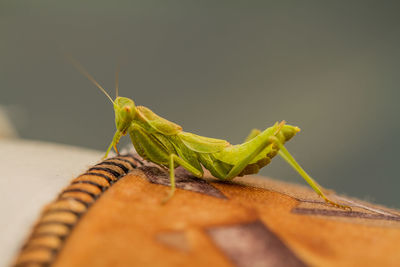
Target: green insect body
[166,144]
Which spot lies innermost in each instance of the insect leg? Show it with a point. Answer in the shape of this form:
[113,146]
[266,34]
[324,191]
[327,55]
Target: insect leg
[148,146]
[114,143]
[284,153]
[262,142]
[175,159]
[171,178]
[246,160]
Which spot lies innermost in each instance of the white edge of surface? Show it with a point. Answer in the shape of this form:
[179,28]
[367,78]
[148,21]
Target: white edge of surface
[32,174]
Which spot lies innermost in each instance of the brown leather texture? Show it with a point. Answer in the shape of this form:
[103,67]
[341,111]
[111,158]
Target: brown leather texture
[112,216]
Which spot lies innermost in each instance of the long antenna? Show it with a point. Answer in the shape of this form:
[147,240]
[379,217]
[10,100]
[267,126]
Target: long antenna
[116,81]
[82,70]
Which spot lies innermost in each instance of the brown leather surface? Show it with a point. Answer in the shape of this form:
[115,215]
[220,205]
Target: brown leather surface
[251,222]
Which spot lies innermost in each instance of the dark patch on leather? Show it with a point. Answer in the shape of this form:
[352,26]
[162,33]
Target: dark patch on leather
[253,244]
[371,213]
[342,213]
[183,179]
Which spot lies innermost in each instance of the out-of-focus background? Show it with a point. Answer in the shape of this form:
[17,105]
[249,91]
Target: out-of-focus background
[219,70]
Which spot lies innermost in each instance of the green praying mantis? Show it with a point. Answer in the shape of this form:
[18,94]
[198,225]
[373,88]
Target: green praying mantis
[166,144]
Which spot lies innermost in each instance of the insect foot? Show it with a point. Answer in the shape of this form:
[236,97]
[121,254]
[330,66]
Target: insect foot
[167,198]
[337,205]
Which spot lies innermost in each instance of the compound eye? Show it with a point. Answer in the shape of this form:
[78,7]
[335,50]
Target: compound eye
[127,109]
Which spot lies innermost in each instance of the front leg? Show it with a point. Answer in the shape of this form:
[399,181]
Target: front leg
[113,144]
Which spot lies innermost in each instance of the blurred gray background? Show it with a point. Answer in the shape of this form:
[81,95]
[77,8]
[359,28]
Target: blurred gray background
[219,70]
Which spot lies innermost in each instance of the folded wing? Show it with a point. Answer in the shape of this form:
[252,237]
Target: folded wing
[202,144]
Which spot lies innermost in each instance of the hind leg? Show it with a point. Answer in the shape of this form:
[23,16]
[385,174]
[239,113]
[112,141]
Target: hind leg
[284,153]
[260,142]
